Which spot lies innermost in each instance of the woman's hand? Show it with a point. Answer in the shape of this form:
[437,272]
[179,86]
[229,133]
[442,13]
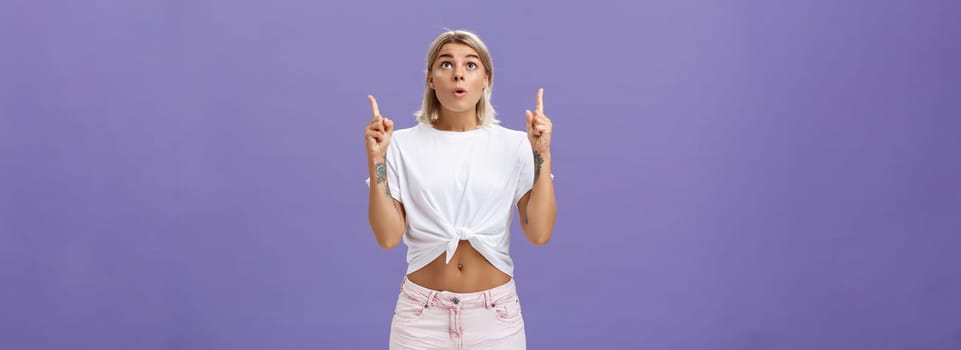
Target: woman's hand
[539,127]
[377,133]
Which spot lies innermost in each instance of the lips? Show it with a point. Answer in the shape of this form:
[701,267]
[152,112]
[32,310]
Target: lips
[460,92]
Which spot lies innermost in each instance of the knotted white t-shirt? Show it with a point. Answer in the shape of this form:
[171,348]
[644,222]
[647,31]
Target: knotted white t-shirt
[459,185]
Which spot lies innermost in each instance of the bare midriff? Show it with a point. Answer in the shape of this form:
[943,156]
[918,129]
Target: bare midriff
[467,272]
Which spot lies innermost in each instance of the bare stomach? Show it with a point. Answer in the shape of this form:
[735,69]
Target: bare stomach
[467,272]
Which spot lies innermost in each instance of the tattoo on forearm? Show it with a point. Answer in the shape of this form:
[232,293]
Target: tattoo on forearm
[538,160]
[381,171]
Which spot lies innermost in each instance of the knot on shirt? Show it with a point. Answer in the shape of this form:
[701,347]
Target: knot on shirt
[460,233]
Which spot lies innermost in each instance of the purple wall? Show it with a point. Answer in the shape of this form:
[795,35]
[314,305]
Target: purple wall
[730,175]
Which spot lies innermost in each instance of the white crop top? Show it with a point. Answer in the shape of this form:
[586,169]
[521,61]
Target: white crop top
[459,186]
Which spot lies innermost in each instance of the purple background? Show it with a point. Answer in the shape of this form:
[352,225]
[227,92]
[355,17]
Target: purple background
[730,174]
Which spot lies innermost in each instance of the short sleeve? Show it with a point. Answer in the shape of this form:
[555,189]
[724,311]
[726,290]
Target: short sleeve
[394,172]
[525,173]
[525,178]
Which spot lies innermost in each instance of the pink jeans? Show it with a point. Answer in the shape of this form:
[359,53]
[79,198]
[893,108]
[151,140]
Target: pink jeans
[430,319]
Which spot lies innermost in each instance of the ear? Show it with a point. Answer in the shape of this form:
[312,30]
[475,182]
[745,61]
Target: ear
[430,81]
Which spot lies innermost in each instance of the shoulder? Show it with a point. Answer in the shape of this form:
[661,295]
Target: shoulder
[405,132]
[509,134]
[512,141]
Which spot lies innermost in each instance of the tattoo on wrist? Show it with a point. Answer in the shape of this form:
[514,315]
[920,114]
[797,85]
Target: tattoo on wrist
[538,160]
[381,172]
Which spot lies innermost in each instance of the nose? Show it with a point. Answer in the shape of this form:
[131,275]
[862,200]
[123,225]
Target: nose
[458,73]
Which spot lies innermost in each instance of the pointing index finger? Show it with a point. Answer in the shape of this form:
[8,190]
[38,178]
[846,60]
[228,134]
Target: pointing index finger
[373,106]
[540,100]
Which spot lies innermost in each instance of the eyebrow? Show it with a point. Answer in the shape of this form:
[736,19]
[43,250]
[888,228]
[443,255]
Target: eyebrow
[447,55]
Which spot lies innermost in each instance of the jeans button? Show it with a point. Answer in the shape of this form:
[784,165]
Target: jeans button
[455,300]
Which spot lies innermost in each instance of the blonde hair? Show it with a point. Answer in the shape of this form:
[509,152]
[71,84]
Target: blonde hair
[485,111]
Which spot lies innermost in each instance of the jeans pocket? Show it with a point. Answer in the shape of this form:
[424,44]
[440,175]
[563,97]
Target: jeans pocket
[408,308]
[509,310]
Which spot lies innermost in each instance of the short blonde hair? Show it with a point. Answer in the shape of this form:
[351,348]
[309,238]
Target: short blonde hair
[485,111]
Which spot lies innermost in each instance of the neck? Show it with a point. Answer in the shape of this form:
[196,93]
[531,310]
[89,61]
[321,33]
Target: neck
[456,121]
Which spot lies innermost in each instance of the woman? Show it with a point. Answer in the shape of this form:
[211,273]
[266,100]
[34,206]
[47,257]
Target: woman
[447,187]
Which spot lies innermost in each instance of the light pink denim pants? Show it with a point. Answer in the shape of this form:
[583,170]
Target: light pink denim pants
[430,319]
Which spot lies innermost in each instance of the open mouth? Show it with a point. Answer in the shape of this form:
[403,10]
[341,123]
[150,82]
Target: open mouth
[460,92]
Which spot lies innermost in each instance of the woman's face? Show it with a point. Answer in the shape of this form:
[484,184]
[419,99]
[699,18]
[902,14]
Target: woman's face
[458,77]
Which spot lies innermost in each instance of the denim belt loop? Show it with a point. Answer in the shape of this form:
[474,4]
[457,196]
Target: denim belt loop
[430,299]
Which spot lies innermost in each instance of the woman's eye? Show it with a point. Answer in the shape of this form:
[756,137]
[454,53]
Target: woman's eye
[471,65]
[445,65]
